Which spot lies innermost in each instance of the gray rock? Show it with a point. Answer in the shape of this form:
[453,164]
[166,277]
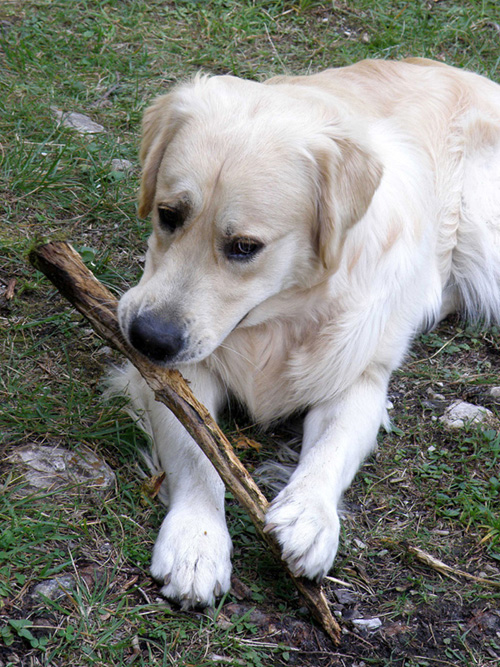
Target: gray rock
[367,623]
[77,121]
[46,467]
[55,588]
[459,414]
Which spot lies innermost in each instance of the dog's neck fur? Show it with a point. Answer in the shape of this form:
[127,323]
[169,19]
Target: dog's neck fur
[254,360]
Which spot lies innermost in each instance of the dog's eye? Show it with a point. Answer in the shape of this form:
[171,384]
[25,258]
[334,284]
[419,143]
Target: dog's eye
[242,248]
[171,217]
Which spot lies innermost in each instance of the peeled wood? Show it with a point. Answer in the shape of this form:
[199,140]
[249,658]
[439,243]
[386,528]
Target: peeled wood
[64,267]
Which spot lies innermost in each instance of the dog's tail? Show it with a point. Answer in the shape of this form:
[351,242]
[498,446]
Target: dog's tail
[475,275]
[475,271]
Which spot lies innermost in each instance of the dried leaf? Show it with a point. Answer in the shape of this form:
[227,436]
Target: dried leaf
[243,442]
[151,487]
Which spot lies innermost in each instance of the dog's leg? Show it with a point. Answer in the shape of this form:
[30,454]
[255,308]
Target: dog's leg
[337,438]
[191,557]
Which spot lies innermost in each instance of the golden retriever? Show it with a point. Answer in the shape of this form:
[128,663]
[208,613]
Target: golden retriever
[304,229]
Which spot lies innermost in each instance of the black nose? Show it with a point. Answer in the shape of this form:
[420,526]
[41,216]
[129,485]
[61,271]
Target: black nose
[158,339]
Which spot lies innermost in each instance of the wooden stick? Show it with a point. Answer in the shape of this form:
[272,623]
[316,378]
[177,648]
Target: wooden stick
[64,267]
[448,571]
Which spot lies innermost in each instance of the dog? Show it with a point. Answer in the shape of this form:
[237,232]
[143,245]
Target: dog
[305,229]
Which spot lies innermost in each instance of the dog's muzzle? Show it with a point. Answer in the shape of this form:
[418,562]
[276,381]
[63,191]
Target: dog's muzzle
[156,338]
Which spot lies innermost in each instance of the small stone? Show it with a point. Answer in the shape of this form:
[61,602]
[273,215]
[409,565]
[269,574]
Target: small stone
[459,414]
[121,165]
[495,392]
[367,623]
[435,396]
[77,121]
[55,588]
[46,467]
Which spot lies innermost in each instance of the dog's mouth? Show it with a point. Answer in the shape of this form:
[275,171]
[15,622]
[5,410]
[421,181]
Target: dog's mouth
[169,346]
[168,343]
[167,338]
[241,320]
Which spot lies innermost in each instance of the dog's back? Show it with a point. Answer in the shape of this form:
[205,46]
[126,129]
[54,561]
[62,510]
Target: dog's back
[453,117]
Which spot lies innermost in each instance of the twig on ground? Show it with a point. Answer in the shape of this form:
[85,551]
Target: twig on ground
[445,345]
[64,267]
[448,571]
[339,582]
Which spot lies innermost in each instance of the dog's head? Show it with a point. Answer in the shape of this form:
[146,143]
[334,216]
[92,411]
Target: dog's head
[252,191]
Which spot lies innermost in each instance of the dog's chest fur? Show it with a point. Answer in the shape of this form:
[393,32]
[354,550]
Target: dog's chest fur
[255,363]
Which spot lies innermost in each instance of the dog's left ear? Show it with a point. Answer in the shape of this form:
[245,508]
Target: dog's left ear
[348,174]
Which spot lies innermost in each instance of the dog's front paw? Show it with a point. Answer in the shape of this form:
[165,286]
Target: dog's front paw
[307,529]
[192,558]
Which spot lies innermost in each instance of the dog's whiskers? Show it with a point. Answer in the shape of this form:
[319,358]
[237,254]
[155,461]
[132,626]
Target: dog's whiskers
[238,353]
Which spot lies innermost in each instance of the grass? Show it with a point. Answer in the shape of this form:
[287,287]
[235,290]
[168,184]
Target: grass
[105,614]
[425,486]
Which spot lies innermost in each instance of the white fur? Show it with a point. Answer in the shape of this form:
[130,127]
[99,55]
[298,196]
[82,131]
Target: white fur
[375,190]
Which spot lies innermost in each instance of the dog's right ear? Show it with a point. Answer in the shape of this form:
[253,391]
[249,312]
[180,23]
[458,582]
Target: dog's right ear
[159,124]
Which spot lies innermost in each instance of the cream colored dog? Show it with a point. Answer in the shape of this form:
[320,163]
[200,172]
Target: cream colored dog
[304,229]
